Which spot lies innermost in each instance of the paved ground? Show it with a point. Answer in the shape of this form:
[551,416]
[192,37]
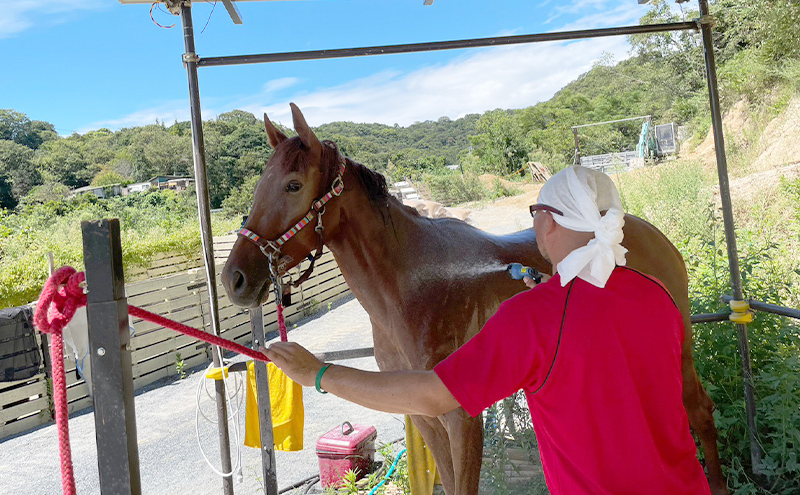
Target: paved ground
[165,413]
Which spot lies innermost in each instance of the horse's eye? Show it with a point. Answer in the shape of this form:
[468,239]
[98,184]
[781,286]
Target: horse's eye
[293,186]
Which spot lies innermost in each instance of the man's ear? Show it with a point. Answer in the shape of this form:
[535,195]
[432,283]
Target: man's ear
[549,224]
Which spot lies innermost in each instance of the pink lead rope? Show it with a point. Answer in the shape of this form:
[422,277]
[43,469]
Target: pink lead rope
[61,296]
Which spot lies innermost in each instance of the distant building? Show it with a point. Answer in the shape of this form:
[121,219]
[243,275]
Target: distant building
[174,182]
[99,191]
[138,187]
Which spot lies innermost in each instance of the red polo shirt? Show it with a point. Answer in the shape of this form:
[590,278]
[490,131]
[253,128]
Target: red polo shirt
[601,369]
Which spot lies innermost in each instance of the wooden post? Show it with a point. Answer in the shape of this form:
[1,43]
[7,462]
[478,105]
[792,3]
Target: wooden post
[109,351]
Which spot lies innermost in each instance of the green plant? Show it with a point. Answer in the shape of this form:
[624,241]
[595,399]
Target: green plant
[349,484]
[310,307]
[452,188]
[151,223]
[180,366]
[509,443]
[503,189]
[399,478]
[774,351]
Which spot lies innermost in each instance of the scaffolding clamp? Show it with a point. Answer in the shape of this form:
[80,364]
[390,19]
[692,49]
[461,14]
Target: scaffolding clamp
[740,312]
[190,57]
[706,19]
[217,373]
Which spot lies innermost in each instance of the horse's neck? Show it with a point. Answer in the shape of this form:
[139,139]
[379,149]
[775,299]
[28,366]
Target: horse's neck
[369,246]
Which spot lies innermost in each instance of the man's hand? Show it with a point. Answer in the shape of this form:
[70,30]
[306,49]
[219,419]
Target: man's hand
[531,283]
[294,360]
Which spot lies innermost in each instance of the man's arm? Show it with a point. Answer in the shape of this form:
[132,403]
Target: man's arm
[404,392]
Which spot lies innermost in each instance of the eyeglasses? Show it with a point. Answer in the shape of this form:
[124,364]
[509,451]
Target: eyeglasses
[535,208]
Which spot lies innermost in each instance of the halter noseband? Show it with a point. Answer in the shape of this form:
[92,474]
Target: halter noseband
[272,249]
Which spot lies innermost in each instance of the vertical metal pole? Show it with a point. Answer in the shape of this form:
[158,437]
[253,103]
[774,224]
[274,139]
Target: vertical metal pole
[204,210]
[730,233]
[109,351]
[577,146]
[268,469]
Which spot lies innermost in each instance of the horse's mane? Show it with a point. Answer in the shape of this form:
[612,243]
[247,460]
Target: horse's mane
[373,182]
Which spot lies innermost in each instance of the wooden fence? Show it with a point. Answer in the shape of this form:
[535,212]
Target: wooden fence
[180,294]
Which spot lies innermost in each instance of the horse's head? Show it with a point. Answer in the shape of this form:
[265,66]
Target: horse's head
[301,170]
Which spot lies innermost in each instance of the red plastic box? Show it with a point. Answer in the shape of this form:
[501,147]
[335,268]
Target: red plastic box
[348,447]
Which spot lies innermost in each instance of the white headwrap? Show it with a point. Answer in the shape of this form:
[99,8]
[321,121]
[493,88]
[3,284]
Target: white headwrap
[581,194]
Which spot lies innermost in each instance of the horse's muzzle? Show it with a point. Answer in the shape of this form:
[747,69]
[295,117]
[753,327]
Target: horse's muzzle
[241,290]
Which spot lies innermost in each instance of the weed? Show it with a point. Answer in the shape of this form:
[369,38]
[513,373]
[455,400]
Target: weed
[310,307]
[180,366]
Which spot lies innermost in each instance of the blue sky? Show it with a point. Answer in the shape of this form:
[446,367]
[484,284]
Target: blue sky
[87,64]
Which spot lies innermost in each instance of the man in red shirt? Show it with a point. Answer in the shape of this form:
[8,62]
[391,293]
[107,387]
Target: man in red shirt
[600,364]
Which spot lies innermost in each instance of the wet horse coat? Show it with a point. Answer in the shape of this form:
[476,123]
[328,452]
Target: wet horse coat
[417,278]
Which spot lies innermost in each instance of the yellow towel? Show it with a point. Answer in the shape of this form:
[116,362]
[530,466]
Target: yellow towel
[422,472]
[288,416]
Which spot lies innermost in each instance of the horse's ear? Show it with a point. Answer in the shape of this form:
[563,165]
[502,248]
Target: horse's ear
[305,133]
[275,136]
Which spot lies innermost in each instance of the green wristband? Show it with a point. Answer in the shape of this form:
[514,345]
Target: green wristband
[317,383]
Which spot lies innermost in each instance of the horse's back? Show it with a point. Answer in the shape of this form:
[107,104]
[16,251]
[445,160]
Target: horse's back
[650,252]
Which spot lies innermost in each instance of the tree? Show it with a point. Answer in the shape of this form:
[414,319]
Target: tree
[153,150]
[17,170]
[501,147]
[65,161]
[16,126]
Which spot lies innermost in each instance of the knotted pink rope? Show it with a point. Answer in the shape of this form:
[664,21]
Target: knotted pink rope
[61,296]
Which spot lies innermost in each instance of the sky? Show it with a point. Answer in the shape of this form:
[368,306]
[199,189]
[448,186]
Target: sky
[87,64]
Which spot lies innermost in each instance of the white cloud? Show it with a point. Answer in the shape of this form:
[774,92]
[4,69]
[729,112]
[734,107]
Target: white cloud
[500,77]
[19,15]
[279,84]
[503,77]
[515,76]
[622,15]
[167,112]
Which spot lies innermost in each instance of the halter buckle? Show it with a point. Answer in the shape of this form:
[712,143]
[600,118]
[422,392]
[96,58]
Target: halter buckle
[271,245]
[338,185]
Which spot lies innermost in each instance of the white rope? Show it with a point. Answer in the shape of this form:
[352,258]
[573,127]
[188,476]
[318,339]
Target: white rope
[232,400]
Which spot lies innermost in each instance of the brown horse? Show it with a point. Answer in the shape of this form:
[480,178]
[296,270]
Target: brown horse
[428,285]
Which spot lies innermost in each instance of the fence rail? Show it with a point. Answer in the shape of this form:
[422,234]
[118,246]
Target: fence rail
[174,287]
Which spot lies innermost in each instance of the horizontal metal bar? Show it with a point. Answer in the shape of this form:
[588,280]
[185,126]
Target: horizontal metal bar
[612,121]
[768,308]
[443,45]
[347,354]
[710,317]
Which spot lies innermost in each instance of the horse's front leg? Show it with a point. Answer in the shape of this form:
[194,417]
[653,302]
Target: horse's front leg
[466,448]
[700,409]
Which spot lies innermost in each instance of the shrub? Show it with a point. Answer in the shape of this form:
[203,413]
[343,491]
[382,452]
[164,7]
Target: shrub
[454,188]
[151,223]
[774,351]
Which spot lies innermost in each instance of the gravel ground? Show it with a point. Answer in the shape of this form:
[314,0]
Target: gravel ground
[170,460]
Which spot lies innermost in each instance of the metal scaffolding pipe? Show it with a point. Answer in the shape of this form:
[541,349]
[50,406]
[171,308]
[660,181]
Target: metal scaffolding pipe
[768,308]
[443,45]
[730,233]
[204,211]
